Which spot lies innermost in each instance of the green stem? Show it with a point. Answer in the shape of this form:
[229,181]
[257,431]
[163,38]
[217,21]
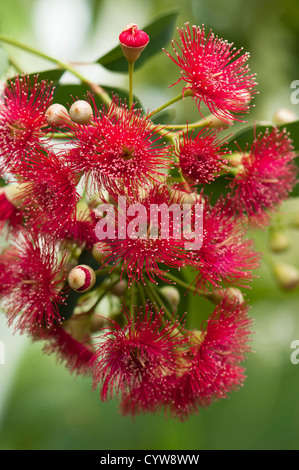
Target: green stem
[170,102]
[155,297]
[131,69]
[184,127]
[132,298]
[182,283]
[63,65]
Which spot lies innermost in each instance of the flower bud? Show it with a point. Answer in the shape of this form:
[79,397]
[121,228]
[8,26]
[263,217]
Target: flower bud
[82,278]
[286,275]
[283,116]
[172,295]
[57,115]
[183,197]
[97,323]
[230,294]
[278,241]
[133,41]
[100,251]
[216,123]
[81,112]
[120,288]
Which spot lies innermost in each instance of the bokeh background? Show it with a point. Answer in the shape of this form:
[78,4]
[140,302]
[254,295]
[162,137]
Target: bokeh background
[42,406]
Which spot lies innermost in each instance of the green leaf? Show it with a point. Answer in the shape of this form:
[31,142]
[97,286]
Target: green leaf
[159,31]
[52,76]
[4,62]
[65,94]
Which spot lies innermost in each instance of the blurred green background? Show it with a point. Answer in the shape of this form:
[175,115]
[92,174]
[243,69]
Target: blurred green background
[41,405]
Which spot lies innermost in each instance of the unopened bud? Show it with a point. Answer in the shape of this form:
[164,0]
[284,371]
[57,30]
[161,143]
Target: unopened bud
[286,275]
[82,278]
[13,192]
[120,288]
[183,197]
[172,295]
[97,323]
[100,251]
[283,116]
[133,41]
[57,115]
[230,294]
[278,241]
[241,98]
[81,112]
[215,123]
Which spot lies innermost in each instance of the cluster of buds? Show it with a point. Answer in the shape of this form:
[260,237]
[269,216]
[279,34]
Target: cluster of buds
[121,212]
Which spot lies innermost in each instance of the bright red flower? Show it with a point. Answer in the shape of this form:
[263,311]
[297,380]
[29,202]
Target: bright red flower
[137,356]
[48,195]
[214,72]
[201,158]
[267,175]
[22,116]
[32,278]
[121,149]
[214,370]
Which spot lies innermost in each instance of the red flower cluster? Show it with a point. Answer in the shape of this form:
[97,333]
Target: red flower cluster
[123,210]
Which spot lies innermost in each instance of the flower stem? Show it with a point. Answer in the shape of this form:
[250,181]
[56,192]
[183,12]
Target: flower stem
[182,283]
[63,65]
[131,69]
[169,103]
[156,299]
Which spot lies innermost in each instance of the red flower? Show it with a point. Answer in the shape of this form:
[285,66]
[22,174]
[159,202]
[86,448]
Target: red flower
[267,175]
[214,73]
[214,370]
[49,196]
[148,250]
[226,255]
[138,356]
[22,116]
[201,158]
[76,355]
[32,279]
[121,149]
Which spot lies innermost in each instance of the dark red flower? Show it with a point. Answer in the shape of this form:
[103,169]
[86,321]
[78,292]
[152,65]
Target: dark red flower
[22,116]
[201,158]
[32,278]
[122,149]
[266,176]
[226,255]
[214,368]
[76,355]
[214,72]
[138,356]
[48,195]
[149,245]
[11,218]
